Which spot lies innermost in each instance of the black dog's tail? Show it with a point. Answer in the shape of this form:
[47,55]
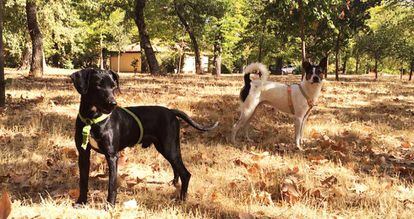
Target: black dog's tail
[187,118]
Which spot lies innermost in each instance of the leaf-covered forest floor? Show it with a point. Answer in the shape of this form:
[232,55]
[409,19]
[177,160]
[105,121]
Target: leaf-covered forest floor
[358,160]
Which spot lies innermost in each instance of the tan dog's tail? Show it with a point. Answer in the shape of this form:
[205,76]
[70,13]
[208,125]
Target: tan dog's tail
[257,69]
[254,71]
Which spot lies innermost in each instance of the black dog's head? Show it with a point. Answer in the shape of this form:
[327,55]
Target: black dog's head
[97,88]
[315,73]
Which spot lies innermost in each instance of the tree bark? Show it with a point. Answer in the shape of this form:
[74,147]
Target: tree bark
[302,34]
[357,64]
[344,65]
[376,68]
[144,36]
[261,43]
[2,82]
[411,70]
[178,10]
[144,63]
[337,56]
[101,58]
[327,65]
[217,58]
[119,61]
[36,66]
[26,57]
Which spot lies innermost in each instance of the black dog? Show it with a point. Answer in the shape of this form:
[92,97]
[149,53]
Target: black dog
[112,133]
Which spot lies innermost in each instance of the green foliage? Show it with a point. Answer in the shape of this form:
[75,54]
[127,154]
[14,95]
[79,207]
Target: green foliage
[75,31]
[14,32]
[390,36]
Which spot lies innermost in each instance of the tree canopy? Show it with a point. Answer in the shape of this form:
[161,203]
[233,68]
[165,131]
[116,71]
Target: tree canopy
[78,33]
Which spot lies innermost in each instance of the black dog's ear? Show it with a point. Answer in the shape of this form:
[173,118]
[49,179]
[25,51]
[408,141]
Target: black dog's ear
[80,80]
[115,76]
[324,63]
[306,65]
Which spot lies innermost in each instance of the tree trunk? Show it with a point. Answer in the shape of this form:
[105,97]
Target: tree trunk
[401,73]
[302,34]
[26,57]
[36,66]
[261,43]
[344,65]
[327,65]
[217,59]
[259,58]
[190,31]
[144,63]
[337,56]
[2,82]
[144,36]
[411,70]
[119,60]
[357,64]
[376,68]
[101,58]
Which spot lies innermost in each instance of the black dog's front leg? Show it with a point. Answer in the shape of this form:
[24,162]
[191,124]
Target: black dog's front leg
[84,164]
[112,160]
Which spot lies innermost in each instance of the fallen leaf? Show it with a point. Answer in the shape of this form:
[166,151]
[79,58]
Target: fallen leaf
[73,193]
[340,146]
[330,181]
[232,185]
[406,144]
[215,196]
[317,159]
[294,170]
[316,193]
[289,190]
[260,185]
[239,162]
[243,215]
[259,156]
[132,182]
[16,178]
[254,169]
[315,135]
[70,153]
[5,205]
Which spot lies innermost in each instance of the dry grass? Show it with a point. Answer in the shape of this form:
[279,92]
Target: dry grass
[361,134]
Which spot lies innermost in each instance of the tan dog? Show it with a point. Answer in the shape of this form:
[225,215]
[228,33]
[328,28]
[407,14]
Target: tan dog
[297,99]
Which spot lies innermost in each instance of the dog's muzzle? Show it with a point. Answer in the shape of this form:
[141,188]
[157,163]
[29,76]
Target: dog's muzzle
[316,79]
[109,106]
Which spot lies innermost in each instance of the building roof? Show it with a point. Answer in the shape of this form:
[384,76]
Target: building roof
[137,48]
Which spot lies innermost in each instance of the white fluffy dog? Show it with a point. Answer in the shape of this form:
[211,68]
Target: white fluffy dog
[296,99]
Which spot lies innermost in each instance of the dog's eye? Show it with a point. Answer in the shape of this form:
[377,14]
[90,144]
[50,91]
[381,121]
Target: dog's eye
[102,84]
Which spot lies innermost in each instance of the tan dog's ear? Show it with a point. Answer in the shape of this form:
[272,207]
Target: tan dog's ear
[306,65]
[80,80]
[324,63]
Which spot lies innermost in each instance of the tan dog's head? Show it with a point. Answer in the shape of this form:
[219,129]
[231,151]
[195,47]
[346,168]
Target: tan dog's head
[315,73]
